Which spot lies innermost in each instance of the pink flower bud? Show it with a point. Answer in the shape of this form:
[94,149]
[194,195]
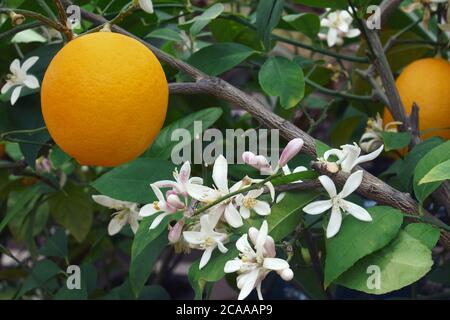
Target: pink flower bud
[174,201]
[257,161]
[175,232]
[293,147]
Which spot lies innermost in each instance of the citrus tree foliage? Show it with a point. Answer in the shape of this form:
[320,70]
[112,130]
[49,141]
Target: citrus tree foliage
[305,61]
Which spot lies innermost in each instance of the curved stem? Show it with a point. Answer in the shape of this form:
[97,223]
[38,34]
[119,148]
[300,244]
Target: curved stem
[36,16]
[338,93]
[257,185]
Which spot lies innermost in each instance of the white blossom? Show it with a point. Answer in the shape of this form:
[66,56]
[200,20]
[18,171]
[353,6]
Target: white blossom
[18,78]
[349,156]
[338,204]
[126,213]
[250,202]
[206,239]
[339,24]
[146,5]
[255,262]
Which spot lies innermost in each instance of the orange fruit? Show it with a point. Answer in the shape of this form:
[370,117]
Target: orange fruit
[104,98]
[427,83]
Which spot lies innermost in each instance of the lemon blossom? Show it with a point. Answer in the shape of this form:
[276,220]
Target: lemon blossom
[164,206]
[349,156]
[255,262]
[372,138]
[182,180]
[127,212]
[205,194]
[146,5]
[19,78]
[206,239]
[250,202]
[338,204]
[339,24]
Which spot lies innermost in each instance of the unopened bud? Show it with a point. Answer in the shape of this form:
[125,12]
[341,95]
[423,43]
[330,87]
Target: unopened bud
[292,148]
[287,274]
[16,19]
[175,232]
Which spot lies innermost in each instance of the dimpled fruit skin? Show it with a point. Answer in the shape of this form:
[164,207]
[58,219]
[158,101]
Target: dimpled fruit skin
[426,82]
[104,98]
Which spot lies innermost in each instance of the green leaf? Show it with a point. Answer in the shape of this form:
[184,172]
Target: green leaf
[201,21]
[440,172]
[58,157]
[306,23]
[220,57]
[72,209]
[395,140]
[321,148]
[268,14]
[287,214]
[332,4]
[131,181]
[357,239]
[401,263]
[212,272]
[56,245]
[19,206]
[424,232]
[163,145]
[436,156]
[412,158]
[146,248]
[165,34]
[124,292]
[306,276]
[283,78]
[293,177]
[43,271]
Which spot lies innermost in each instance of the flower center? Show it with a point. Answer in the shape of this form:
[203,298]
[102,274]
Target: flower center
[155,205]
[207,243]
[249,203]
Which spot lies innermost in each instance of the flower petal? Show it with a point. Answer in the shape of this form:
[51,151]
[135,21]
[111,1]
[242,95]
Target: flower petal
[157,192]
[15,67]
[15,95]
[262,236]
[332,37]
[158,220]
[146,5]
[275,264]
[328,185]
[27,64]
[370,156]
[232,216]
[134,224]
[148,210]
[196,180]
[31,82]
[335,222]
[116,224]
[243,246]
[185,172]
[357,211]
[352,183]
[244,212]
[249,281]
[193,237]
[232,266]
[108,202]
[206,256]
[220,173]
[318,207]
[202,193]
[262,208]
[8,85]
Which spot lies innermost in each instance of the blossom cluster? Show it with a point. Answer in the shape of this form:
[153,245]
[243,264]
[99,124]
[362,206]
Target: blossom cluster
[210,215]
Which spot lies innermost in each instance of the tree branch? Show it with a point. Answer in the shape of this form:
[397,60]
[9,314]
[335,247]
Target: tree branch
[372,187]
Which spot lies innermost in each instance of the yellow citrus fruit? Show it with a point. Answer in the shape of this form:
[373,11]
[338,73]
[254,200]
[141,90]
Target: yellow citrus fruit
[427,83]
[104,98]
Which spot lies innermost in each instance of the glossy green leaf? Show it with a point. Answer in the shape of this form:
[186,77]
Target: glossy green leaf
[220,57]
[56,245]
[357,239]
[436,156]
[283,78]
[201,21]
[43,271]
[306,23]
[268,15]
[131,181]
[287,214]
[164,145]
[401,263]
[165,34]
[294,177]
[395,140]
[72,209]
[424,232]
[440,172]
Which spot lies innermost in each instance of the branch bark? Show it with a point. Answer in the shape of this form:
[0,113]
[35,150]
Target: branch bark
[372,187]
